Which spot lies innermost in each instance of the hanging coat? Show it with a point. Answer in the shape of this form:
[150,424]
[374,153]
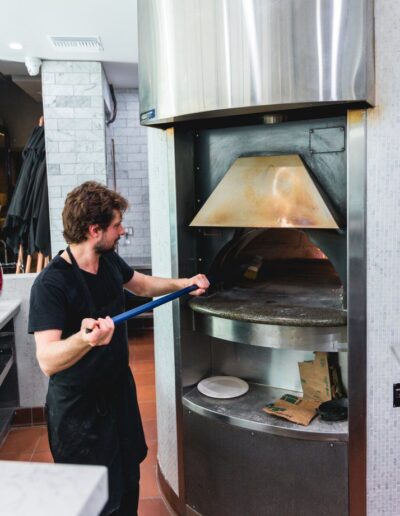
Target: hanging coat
[27,220]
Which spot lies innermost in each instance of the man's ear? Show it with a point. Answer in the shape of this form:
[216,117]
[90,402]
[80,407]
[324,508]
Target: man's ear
[94,230]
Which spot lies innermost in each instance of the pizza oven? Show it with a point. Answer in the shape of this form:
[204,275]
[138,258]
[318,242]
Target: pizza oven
[258,181]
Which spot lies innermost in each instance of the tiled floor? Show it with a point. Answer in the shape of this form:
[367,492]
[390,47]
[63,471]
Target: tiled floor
[30,443]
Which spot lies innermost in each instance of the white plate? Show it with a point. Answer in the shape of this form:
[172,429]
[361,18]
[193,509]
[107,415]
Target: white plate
[223,386]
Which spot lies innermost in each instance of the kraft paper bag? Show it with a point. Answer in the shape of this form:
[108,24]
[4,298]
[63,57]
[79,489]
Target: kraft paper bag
[294,409]
[316,378]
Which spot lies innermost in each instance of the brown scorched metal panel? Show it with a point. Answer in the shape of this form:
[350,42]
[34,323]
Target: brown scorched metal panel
[266,192]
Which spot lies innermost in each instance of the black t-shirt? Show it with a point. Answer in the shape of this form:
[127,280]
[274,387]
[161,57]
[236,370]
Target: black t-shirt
[57,300]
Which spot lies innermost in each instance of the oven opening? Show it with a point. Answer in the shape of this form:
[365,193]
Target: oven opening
[279,277]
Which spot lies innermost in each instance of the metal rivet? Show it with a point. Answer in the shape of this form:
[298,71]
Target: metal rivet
[197,168]
[198,201]
[252,433]
[199,259]
[331,445]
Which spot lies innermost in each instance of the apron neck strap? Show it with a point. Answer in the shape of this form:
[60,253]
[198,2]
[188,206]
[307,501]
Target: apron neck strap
[82,282]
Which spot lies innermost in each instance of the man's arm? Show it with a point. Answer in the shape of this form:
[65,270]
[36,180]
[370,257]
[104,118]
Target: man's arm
[151,286]
[55,355]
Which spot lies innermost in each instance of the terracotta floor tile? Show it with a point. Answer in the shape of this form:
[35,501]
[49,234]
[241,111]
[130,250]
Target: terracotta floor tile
[143,354]
[43,444]
[150,430]
[25,457]
[145,378]
[152,507]
[43,456]
[146,392]
[148,482]
[143,366]
[151,458]
[22,440]
[148,410]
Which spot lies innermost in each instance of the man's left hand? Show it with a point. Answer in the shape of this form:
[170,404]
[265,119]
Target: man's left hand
[201,281]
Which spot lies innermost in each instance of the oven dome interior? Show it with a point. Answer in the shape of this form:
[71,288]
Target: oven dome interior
[291,282]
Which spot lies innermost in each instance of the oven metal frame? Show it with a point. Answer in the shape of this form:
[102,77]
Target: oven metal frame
[184,263]
[357,308]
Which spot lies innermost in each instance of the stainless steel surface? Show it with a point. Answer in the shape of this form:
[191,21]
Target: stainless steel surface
[266,192]
[208,58]
[232,471]
[273,336]
[247,412]
[357,310]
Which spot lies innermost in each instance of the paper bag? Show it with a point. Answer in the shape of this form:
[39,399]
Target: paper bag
[294,409]
[315,378]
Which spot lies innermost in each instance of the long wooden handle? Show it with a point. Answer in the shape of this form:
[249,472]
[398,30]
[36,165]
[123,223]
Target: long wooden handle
[20,260]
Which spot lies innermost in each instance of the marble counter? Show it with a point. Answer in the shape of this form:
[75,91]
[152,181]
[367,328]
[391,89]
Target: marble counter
[8,309]
[40,489]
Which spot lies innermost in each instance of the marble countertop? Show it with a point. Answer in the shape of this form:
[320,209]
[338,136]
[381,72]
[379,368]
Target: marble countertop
[8,309]
[51,489]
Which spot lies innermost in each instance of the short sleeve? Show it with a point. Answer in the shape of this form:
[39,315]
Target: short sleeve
[47,307]
[126,270]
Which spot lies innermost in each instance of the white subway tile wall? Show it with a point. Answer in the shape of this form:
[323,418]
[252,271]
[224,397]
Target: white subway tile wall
[383,257]
[131,175]
[73,109]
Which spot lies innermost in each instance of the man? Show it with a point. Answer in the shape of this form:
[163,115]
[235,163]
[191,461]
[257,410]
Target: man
[92,410]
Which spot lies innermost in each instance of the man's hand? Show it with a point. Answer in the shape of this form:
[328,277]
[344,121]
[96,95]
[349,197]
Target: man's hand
[101,331]
[201,281]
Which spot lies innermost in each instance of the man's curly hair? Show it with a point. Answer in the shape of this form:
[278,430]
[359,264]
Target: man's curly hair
[87,204]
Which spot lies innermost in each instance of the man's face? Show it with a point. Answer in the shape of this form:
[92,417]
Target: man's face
[110,236]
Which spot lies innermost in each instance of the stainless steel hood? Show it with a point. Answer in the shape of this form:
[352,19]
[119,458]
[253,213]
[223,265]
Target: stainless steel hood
[266,192]
[224,57]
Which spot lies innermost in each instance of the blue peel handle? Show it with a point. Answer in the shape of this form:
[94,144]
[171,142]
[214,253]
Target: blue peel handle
[120,318]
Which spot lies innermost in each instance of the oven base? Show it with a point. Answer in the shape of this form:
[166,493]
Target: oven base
[232,471]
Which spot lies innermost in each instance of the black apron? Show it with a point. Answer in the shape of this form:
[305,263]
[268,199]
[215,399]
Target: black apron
[92,409]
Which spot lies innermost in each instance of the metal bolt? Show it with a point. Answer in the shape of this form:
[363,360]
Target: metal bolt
[199,259]
[197,168]
[331,445]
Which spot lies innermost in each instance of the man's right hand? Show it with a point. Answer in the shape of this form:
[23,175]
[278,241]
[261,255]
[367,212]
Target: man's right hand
[101,332]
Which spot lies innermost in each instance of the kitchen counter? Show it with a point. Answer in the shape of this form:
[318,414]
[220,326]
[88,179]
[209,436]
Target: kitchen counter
[8,309]
[49,489]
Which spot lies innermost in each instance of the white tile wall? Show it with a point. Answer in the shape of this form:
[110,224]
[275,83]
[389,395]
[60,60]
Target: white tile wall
[383,259]
[75,132]
[130,144]
[161,164]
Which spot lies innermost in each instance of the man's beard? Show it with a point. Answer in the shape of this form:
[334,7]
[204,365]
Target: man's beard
[101,248]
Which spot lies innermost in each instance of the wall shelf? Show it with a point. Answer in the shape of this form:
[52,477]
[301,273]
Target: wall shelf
[246,412]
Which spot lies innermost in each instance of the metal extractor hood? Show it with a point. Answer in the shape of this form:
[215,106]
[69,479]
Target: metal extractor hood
[267,192]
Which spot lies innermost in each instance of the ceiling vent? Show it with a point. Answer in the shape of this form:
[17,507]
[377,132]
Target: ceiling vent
[76,43]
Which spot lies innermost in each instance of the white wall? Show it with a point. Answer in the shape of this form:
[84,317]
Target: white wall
[161,164]
[383,262]
[130,154]
[75,133]
[32,383]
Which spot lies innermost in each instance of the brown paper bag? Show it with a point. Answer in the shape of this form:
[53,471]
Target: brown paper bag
[294,409]
[315,378]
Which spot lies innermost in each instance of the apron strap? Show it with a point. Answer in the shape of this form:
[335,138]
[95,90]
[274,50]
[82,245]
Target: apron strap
[82,282]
